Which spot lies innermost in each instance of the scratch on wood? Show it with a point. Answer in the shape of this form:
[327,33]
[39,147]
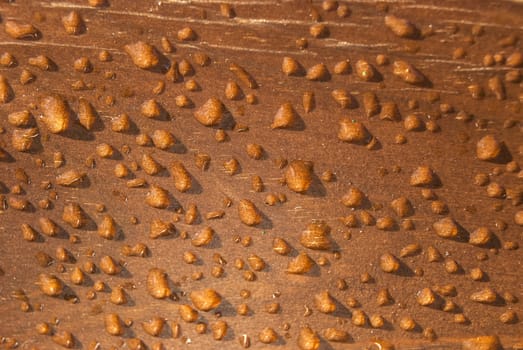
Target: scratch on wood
[482,69]
[237,2]
[46,43]
[485,24]
[450,92]
[231,23]
[247,49]
[386,1]
[337,43]
[439,60]
[295,22]
[439,8]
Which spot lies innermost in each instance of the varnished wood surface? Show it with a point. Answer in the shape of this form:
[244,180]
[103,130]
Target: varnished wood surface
[257,38]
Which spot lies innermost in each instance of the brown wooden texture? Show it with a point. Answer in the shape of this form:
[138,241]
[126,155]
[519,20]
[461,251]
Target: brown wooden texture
[246,43]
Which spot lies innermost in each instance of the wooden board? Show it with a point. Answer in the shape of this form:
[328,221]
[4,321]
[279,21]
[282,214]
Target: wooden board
[242,54]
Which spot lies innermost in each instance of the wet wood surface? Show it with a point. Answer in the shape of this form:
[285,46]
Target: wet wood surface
[462,48]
